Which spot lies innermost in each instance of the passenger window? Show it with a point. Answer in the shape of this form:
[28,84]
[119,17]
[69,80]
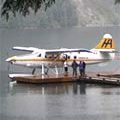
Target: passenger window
[45,56]
[68,57]
[75,57]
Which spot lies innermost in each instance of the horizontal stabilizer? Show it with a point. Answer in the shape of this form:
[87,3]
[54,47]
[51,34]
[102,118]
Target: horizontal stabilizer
[108,51]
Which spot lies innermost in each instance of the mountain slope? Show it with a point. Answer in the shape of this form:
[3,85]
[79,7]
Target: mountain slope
[70,13]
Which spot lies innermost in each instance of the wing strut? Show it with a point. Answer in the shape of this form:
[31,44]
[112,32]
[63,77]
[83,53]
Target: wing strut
[56,70]
[43,71]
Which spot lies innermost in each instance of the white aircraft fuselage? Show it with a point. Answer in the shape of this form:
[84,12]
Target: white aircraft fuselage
[34,60]
[103,52]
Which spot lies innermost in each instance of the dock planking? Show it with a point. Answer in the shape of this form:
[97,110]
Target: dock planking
[60,78]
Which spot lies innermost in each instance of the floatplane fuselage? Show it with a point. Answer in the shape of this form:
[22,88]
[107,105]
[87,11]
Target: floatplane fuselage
[43,58]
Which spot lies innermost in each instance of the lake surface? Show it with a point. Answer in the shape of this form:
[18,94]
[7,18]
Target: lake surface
[70,101]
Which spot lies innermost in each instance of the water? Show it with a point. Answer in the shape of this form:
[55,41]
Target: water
[66,101]
[70,101]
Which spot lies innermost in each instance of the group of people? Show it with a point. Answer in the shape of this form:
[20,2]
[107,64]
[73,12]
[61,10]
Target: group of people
[81,65]
[75,65]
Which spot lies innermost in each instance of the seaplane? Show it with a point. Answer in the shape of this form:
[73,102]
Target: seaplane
[55,58]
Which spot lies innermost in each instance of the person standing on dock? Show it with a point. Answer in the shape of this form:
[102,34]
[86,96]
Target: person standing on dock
[74,66]
[81,68]
[66,68]
[84,67]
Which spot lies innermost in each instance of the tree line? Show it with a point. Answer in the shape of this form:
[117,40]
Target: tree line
[23,7]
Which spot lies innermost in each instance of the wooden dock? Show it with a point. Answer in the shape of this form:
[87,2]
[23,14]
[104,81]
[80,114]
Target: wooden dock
[43,79]
[90,78]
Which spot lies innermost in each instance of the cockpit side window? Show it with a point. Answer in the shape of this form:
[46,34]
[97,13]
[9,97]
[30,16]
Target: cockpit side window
[39,55]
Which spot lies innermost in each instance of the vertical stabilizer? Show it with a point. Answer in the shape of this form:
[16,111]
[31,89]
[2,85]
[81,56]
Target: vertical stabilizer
[106,43]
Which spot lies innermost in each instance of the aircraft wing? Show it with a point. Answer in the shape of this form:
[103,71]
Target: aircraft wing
[29,49]
[52,51]
[64,50]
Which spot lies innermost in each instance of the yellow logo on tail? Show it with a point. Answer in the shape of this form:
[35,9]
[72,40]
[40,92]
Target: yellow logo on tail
[106,43]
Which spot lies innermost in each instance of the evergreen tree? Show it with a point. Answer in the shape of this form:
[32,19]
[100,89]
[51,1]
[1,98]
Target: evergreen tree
[11,7]
[23,6]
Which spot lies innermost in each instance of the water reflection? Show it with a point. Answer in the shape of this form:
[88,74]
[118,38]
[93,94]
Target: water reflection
[61,88]
[110,90]
[79,88]
[82,88]
[58,88]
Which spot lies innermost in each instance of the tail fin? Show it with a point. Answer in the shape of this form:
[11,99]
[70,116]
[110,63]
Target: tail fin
[106,43]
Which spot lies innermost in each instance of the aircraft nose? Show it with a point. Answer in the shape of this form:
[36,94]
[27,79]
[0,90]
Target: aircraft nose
[11,59]
[8,59]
